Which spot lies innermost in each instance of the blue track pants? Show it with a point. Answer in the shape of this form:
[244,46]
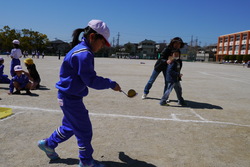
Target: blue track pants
[75,122]
[13,63]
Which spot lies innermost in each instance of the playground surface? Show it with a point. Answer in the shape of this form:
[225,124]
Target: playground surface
[212,131]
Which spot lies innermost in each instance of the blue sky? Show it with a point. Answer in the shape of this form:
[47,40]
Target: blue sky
[135,20]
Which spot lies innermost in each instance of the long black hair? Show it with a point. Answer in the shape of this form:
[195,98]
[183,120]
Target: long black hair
[87,31]
[176,39]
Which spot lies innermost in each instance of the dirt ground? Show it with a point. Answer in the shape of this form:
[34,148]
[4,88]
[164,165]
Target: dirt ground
[212,131]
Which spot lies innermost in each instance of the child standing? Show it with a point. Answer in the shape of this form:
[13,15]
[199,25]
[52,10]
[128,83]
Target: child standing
[162,64]
[32,73]
[20,81]
[76,75]
[3,78]
[173,78]
[15,55]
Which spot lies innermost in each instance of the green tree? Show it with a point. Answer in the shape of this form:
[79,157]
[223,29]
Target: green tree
[7,35]
[128,48]
[30,40]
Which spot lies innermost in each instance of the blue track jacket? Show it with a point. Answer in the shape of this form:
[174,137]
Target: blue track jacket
[173,71]
[77,72]
[23,80]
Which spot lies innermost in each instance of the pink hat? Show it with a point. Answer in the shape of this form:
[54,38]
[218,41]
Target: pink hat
[101,28]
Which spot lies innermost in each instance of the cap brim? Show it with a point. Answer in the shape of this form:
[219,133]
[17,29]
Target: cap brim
[107,43]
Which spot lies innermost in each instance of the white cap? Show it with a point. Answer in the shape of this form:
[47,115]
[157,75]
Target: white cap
[18,68]
[101,28]
[16,42]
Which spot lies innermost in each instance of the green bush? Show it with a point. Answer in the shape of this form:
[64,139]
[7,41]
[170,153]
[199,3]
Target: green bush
[239,58]
[226,57]
[246,58]
[232,57]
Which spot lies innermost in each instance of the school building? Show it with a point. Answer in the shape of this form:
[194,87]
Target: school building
[233,44]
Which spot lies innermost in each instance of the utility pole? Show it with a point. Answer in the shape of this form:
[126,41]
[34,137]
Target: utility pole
[113,41]
[118,38]
[196,41]
[191,43]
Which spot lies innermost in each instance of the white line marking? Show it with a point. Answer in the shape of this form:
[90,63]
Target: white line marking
[174,117]
[197,115]
[205,73]
[14,114]
[133,117]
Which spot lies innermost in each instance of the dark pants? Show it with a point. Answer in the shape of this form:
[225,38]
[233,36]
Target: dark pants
[4,79]
[178,89]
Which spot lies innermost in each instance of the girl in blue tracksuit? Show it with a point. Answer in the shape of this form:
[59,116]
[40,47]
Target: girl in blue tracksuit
[76,75]
[3,77]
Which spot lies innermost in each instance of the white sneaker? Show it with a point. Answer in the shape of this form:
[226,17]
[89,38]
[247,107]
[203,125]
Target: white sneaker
[144,96]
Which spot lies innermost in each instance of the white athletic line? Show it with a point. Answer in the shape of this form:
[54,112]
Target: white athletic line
[132,117]
[197,115]
[174,117]
[205,73]
[14,114]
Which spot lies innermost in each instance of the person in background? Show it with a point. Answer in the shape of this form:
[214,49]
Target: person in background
[173,78]
[43,55]
[3,77]
[162,64]
[33,54]
[77,74]
[20,82]
[32,73]
[15,55]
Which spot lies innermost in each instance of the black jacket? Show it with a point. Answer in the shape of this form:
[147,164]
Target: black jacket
[33,72]
[161,64]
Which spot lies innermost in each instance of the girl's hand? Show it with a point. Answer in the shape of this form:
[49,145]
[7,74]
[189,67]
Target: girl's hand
[117,88]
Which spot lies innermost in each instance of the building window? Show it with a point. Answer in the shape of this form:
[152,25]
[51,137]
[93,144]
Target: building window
[221,40]
[220,48]
[244,36]
[237,37]
[225,48]
[243,47]
[236,47]
[231,38]
[226,39]
[230,48]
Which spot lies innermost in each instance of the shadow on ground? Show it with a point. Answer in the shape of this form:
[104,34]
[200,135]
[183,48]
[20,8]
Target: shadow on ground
[201,105]
[126,162]
[42,87]
[191,104]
